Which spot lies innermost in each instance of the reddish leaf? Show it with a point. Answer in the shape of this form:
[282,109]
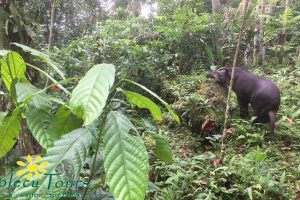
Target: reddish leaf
[230,130]
[298,195]
[200,88]
[207,124]
[152,175]
[289,121]
[55,88]
[184,152]
[217,161]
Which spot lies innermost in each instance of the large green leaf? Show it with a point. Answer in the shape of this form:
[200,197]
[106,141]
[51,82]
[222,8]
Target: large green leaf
[66,121]
[172,113]
[66,156]
[41,122]
[162,149]
[43,57]
[9,132]
[125,159]
[13,68]
[24,91]
[144,102]
[89,96]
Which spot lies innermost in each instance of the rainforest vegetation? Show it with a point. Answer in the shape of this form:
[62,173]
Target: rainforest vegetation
[110,99]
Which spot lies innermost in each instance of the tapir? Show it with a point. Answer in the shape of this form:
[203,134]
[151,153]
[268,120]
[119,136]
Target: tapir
[262,94]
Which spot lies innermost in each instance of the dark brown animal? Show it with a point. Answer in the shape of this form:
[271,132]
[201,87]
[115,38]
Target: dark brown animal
[262,94]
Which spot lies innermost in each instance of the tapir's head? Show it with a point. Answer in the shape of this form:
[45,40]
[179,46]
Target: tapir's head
[221,76]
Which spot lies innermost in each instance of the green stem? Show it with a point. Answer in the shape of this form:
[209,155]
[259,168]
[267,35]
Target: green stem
[95,157]
[52,79]
[24,139]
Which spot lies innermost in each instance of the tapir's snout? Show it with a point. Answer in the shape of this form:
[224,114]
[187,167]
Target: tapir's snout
[210,75]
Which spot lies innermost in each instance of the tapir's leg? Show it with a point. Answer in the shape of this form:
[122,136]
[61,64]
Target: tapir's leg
[272,116]
[243,107]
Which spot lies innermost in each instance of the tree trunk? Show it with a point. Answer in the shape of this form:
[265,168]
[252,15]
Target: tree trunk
[261,32]
[282,36]
[135,7]
[246,52]
[215,5]
[254,49]
[50,39]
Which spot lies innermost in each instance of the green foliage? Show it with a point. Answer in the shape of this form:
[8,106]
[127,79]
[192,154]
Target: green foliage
[168,107]
[2,115]
[126,159]
[254,164]
[209,53]
[45,58]
[12,69]
[144,102]
[67,146]
[41,120]
[9,132]
[238,177]
[146,52]
[169,53]
[25,91]
[189,94]
[281,36]
[162,149]
[89,96]
[66,121]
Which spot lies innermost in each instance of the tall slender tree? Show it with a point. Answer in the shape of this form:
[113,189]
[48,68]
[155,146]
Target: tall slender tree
[282,36]
[261,30]
[215,4]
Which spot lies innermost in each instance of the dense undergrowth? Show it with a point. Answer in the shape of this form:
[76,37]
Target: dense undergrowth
[254,164]
[171,53]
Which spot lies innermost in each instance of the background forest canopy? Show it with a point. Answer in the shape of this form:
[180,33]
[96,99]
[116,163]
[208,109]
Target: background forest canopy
[173,36]
[168,46]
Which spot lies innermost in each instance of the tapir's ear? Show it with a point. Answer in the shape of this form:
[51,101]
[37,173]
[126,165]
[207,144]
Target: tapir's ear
[221,69]
[227,72]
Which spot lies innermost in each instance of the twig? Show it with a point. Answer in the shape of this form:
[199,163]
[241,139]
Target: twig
[232,74]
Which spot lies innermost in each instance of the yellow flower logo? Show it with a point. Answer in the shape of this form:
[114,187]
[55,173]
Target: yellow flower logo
[33,167]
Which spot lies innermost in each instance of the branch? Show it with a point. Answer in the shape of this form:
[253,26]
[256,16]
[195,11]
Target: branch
[232,74]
